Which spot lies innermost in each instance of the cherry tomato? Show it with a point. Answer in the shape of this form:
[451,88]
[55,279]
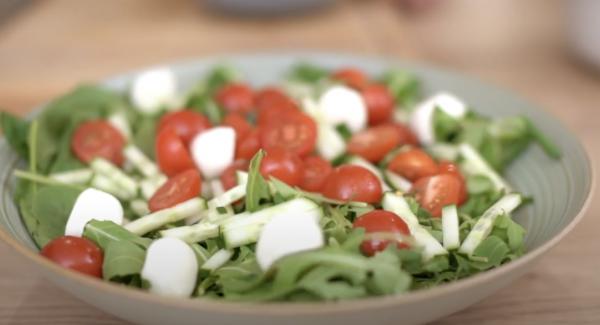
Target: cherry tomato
[413,164]
[274,109]
[380,103]
[179,188]
[296,132]
[283,165]
[248,146]
[380,221]
[75,253]
[269,97]
[171,153]
[186,124]
[316,170]
[352,183]
[351,77]
[447,167]
[374,143]
[435,192]
[405,134]
[98,139]
[229,175]
[236,98]
[239,124]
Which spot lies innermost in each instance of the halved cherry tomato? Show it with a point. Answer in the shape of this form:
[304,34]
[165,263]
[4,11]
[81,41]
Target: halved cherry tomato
[352,183]
[447,167]
[351,77]
[283,165]
[98,139]
[405,134]
[75,253]
[380,103]
[177,189]
[273,108]
[316,170]
[236,98]
[229,175]
[380,221]
[172,154]
[248,146]
[374,143]
[296,132]
[239,124]
[269,97]
[413,164]
[435,192]
[185,122]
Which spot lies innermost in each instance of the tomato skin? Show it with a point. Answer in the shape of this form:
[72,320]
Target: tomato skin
[296,132]
[435,192]
[269,97]
[172,154]
[316,170]
[447,167]
[239,124]
[374,143]
[405,134]
[98,139]
[352,183]
[185,122]
[236,98]
[413,164]
[275,109]
[248,146]
[380,221]
[229,176]
[75,253]
[179,188]
[283,165]
[351,77]
[380,103]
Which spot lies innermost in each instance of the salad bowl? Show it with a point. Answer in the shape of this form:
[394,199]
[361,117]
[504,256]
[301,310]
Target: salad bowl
[561,190]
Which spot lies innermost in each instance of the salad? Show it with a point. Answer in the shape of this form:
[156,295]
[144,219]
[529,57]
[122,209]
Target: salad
[328,185]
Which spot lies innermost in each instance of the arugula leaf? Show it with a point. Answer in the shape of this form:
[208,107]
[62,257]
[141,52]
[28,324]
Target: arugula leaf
[257,187]
[15,131]
[308,73]
[404,85]
[103,233]
[446,127]
[123,262]
[144,134]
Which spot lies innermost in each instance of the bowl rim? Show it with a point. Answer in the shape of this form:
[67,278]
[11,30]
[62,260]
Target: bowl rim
[312,308]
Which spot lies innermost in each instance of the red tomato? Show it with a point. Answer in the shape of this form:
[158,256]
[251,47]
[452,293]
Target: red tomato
[413,164]
[351,77]
[239,124]
[380,221]
[296,132]
[171,153]
[447,167]
[435,192]
[374,143]
[98,139]
[405,134]
[186,124]
[380,103]
[316,170]
[274,109]
[269,97]
[177,189]
[75,253]
[248,146]
[352,183]
[283,165]
[236,98]
[229,175]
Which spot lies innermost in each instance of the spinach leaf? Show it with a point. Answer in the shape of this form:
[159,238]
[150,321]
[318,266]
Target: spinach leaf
[492,252]
[123,262]
[15,130]
[257,188]
[105,232]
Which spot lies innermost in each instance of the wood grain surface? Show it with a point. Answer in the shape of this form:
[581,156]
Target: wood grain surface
[54,44]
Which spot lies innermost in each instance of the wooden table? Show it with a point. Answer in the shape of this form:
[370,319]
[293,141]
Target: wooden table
[54,44]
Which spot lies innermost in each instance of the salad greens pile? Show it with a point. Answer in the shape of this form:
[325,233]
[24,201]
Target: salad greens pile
[223,227]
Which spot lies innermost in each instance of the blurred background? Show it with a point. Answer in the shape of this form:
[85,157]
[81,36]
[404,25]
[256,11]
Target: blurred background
[546,50]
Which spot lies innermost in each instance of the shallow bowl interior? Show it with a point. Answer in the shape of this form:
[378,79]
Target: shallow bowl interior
[560,189]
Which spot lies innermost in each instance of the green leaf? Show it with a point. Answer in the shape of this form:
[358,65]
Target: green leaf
[492,252]
[479,184]
[551,148]
[404,85]
[104,232]
[257,188]
[144,134]
[309,73]
[15,131]
[445,126]
[123,261]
